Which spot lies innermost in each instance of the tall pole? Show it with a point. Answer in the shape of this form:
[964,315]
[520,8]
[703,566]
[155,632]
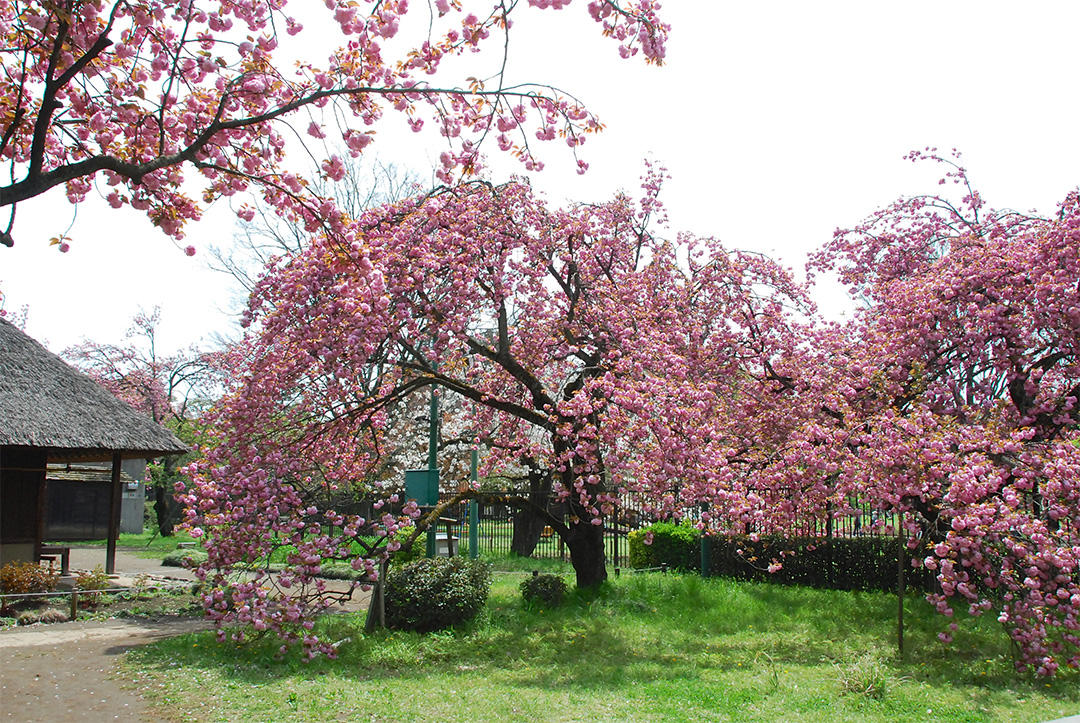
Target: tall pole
[433,465]
[900,589]
[433,432]
[474,513]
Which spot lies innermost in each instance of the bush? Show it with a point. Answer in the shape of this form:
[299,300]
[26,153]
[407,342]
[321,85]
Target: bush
[46,616]
[184,558]
[90,585]
[436,593]
[402,556]
[547,590]
[18,578]
[676,544]
[844,563]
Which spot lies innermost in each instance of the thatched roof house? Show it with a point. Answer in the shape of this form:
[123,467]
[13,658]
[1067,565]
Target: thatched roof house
[50,412]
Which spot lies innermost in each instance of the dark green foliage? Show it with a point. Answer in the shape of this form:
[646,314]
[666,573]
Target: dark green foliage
[547,590]
[844,563]
[436,593]
[404,556]
[677,545]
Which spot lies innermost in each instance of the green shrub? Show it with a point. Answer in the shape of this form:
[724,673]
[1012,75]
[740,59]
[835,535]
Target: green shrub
[184,558]
[675,544]
[548,590]
[436,593]
[19,578]
[416,552]
[90,586]
[842,563]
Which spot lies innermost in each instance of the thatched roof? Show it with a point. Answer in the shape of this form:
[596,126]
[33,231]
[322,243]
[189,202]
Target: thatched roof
[45,403]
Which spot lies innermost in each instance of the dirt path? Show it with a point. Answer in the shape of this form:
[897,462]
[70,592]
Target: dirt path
[68,671]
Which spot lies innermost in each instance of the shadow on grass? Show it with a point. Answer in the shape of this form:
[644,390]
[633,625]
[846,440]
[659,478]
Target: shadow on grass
[641,629]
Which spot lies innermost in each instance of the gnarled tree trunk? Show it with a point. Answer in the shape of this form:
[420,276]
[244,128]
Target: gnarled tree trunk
[586,544]
[529,521]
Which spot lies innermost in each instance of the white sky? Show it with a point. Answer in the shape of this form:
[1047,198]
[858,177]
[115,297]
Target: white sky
[779,121]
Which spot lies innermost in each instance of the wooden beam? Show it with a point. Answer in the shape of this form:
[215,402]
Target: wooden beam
[115,496]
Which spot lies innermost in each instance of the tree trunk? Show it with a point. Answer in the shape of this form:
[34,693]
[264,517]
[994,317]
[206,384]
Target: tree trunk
[165,508]
[586,544]
[529,522]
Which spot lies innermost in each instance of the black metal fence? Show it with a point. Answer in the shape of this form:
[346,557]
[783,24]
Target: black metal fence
[495,531]
[804,519]
[496,523]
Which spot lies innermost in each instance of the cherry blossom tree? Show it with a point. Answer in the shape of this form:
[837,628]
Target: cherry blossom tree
[953,399]
[140,93]
[583,345]
[173,390]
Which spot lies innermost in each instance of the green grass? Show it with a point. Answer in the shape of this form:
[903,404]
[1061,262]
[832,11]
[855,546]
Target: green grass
[146,545]
[646,647]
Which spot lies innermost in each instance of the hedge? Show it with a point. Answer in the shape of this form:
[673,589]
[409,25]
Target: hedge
[842,563]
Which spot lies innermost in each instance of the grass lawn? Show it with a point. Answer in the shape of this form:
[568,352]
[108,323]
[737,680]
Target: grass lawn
[647,647]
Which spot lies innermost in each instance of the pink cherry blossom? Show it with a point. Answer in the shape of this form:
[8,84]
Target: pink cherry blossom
[209,117]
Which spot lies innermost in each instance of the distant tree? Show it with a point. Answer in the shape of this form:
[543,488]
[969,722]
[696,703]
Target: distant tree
[173,390]
[268,236]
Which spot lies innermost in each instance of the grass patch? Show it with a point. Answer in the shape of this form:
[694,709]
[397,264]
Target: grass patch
[147,544]
[645,647]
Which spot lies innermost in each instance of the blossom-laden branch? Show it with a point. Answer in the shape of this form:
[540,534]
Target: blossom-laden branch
[141,92]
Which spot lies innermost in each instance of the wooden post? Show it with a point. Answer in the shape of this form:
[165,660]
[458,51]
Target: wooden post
[114,516]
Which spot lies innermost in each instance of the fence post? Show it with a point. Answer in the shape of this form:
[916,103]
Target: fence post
[74,604]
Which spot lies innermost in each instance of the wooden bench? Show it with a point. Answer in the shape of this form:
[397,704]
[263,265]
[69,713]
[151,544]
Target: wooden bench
[51,552]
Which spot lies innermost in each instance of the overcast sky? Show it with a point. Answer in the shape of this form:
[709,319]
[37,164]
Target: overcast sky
[778,121]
